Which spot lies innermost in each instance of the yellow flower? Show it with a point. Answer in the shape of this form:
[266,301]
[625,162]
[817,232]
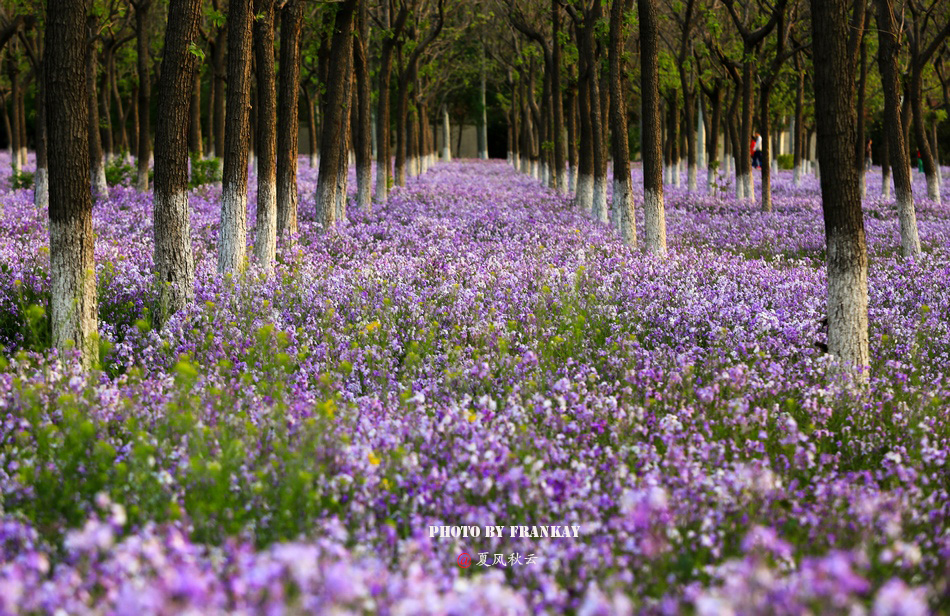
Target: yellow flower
[373,459]
[385,483]
[472,416]
[372,326]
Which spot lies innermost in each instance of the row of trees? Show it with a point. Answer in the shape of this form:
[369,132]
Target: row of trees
[721,48]
[577,74]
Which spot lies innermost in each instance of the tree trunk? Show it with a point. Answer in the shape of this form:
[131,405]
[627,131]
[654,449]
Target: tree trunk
[623,189]
[889,50]
[885,167]
[144,145]
[920,134]
[689,101]
[97,172]
[859,142]
[558,111]
[265,236]
[744,161]
[798,150]
[105,115]
[13,131]
[482,113]
[841,199]
[291,22]
[333,138]
[765,126]
[72,268]
[599,211]
[41,177]
[312,128]
[232,235]
[653,210]
[220,90]
[712,156]
[123,135]
[584,197]
[174,260]
[363,141]
[134,113]
[194,126]
[447,135]
[571,139]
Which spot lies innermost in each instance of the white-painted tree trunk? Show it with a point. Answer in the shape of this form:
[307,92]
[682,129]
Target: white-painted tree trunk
[174,259]
[584,199]
[700,136]
[41,188]
[933,188]
[571,179]
[265,231]
[907,217]
[623,210]
[654,216]
[886,185]
[798,174]
[446,135]
[313,160]
[599,211]
[483,124]
[677,179]
[100,188]
[862,184]
[232,235]
[691,178]
[73,303]
[847,305]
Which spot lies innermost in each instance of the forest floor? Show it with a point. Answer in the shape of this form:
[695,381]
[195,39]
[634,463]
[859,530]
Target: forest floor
[476,353]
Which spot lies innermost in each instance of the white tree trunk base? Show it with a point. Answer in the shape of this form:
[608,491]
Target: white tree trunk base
[232,235]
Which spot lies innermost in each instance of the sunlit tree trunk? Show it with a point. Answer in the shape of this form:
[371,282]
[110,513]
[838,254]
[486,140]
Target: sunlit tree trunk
[333,153]
[653,208]
[232,235]
[73,311]
[265,236]
[174,261]
[291,21]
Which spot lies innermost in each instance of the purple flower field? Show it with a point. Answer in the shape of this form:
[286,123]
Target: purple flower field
[475,353]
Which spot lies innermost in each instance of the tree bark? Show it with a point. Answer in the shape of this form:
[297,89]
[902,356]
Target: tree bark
[653,209]
[584,197]
[220,90]
[765,126]
[363,141]
[265,237]
[72,269]
[557,101]
[41,178]
[194,126]
[798,149]
[889,49]
[174,260]
[291,22]
[841,199]
[97,172]
[144,103]
[333,138]
[623,189]
[232,235]
[383,137]
[859,142]
[105,115]
[571,138]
